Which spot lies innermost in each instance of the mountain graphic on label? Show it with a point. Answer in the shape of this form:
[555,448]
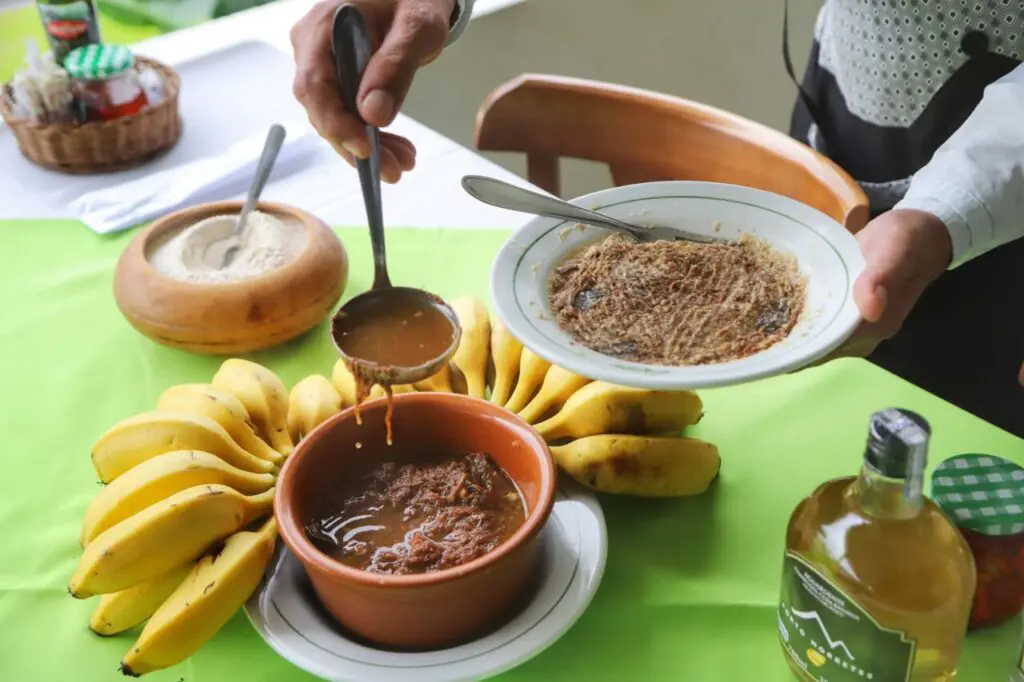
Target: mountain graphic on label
[832,645]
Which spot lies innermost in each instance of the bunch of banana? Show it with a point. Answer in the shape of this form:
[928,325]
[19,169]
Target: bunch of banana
[610,438]
[170,540]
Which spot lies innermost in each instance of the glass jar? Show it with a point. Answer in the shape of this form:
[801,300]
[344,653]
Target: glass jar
[106,82]
[984,496]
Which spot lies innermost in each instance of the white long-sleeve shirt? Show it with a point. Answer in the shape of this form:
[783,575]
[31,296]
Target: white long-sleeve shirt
[465,13]
[975,181]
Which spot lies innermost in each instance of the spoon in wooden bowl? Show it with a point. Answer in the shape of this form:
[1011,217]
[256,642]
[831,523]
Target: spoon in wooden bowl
[271,148]
[387,335]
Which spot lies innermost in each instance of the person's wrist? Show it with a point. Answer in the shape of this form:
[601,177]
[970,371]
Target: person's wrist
[930,236]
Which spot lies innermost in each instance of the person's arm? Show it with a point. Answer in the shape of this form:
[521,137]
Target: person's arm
[460,19]
[975,182]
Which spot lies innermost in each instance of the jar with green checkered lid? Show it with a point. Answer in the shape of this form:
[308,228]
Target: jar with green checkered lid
[984,496]
[106,82]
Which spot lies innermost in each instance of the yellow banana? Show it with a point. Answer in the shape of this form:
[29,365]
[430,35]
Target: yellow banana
[505,353]
[211,593]
[264,396]
[600,407]
[439,383]
[559,384]
[144,436]
[471,356]
[458,380]
[310,403]
[222,407]
[644,466]
[169,533]
[345,384]
[532,369]
[120,611]
[159,478]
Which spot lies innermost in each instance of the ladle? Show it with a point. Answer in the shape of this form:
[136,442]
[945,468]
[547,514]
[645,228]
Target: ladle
[387,335]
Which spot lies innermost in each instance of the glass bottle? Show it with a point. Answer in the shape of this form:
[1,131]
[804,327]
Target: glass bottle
[69,24]
[877,582]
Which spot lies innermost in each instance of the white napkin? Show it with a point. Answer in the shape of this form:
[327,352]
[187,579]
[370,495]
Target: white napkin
[211,178]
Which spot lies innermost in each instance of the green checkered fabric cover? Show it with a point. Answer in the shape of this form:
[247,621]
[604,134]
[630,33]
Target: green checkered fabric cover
[96,62]
[981,493]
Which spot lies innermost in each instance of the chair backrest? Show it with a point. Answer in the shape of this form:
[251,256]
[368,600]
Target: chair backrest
[645,136]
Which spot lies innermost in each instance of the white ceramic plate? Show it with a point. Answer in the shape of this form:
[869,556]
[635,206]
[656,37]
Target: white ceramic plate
[575,546]
[826,252]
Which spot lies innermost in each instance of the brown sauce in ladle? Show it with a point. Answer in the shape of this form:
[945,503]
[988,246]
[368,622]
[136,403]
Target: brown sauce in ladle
[394,336]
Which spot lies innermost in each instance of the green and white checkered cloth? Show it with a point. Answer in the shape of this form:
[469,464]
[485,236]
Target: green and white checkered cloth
[982,493]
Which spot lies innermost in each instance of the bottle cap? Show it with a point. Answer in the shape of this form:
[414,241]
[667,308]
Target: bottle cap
[982,493]
[96,62]
[898,443]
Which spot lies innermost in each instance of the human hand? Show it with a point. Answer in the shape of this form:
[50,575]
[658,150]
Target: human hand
[406,34]
[905,251]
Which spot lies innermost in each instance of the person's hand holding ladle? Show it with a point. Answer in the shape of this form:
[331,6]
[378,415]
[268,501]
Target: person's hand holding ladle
[387,335]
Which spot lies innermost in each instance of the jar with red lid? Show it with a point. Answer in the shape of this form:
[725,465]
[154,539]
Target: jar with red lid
[106,82]
[984,496]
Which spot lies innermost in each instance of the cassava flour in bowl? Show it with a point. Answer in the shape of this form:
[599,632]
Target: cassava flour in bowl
[193,254]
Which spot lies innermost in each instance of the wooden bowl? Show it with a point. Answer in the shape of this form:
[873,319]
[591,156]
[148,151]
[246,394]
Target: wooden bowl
[231,318]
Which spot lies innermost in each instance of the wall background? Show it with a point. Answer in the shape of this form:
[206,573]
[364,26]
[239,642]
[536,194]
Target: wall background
[727,53]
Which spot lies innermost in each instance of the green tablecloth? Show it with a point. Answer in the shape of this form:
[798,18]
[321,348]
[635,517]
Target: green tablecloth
[690,588]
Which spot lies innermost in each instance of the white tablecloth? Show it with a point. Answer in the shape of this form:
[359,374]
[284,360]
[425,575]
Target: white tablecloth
[429,196]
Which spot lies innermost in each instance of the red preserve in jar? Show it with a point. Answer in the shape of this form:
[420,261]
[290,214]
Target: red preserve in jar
[984,496]
[106,82]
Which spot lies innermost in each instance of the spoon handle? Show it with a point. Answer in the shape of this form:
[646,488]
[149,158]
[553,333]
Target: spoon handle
[275,138]
[350,43]
[504,195]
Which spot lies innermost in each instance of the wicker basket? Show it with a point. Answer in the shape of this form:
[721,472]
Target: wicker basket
[101,146]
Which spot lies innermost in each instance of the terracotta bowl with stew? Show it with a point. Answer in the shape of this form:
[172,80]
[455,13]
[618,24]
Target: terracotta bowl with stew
[417,611]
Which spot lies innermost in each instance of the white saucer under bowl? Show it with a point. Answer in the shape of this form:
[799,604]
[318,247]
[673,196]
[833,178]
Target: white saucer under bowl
[827,253]
[575,546]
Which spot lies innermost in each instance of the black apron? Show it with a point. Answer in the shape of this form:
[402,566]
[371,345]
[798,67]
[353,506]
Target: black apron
[964,341]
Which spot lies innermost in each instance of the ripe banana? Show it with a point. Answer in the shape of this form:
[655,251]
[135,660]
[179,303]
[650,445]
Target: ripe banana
[559,384]
[644,466]
[345,384]
[218,585]
[471,356]
[532,369]
[169,533]
[144,436]
[310,403]
[222,407]
[439,383]
[600,407]
[159,478]
[505,353]
[120,611]
[264,397]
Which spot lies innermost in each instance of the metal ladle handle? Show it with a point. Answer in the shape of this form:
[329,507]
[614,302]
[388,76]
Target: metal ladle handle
[350,45]
[505,195]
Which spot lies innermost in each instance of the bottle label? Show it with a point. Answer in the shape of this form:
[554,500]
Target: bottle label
[69,25]
[830,637]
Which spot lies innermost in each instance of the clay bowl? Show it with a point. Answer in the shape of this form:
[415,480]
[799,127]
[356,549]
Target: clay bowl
[228,318]
[431,610]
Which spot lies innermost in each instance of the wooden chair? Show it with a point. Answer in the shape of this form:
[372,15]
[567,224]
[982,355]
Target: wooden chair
[645,136]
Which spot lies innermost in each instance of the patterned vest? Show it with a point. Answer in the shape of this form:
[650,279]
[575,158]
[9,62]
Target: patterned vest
[890,80]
